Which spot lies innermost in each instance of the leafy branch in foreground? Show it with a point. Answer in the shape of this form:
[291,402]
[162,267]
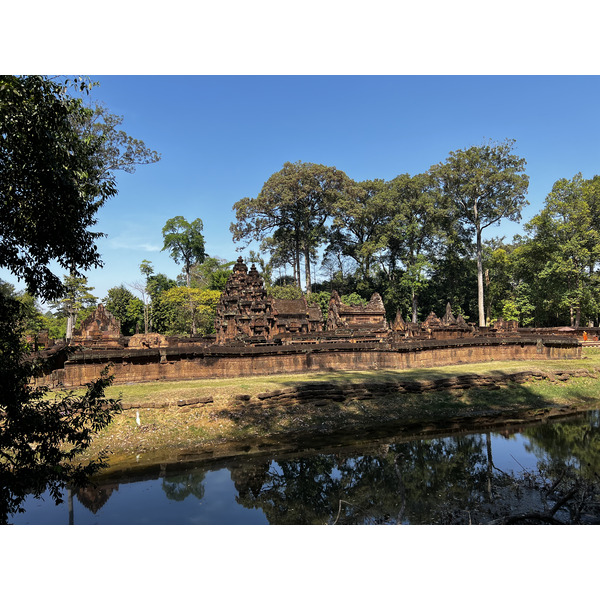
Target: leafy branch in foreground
[41,437]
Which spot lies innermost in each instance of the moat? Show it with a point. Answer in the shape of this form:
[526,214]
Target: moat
[547,470]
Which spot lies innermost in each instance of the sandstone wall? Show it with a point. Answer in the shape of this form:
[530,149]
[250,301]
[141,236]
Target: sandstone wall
[170,364]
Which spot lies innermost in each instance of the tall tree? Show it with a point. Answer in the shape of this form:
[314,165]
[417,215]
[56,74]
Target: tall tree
[212,273]
[77,298]
[359,217]
[118,151]
[486,184]
[566,246]
[185,243]
[147,270]
[40,438]
[416,228]
[125,307]
[280,247]
[182,310]
[51,186]
[298,200]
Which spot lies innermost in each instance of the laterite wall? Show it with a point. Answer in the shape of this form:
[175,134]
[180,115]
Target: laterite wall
[177,364]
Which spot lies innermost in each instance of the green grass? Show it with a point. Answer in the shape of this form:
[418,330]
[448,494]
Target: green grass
[226,389]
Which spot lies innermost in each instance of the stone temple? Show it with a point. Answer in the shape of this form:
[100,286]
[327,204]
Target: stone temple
[246,314]
[256,334]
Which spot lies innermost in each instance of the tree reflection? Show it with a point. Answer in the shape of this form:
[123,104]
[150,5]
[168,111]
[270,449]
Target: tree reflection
[568,443]
[300,491]
[569,467]
[179,487]
[93,497]
[429,481]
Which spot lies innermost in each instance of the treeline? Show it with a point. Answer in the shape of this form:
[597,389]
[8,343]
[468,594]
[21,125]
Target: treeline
[182,306]
[418,240]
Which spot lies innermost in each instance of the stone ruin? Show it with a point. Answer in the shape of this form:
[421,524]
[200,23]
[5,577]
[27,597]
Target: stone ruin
[147,340]
[343,316]
[505,326]
[99,329]
[448,326]
[246,313]
[257,334]
[247,316]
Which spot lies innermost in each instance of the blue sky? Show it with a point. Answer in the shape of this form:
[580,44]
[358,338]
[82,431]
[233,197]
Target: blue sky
[221,137]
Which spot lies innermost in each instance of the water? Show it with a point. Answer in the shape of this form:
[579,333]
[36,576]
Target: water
[379,479]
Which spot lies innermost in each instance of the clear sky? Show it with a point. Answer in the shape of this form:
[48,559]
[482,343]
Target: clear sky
[221,137]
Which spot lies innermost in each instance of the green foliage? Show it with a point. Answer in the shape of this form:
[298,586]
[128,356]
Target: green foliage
[519,307]
[360,217]
[510,310]
[77,303]
[292,207]
[40,437]
[78,295]
[146,269]
[159,283]
[212,273]
[264,267]
[484,185]
[56,163]
[32,314]
[353,299]
[56,326]
[453,277]
[285,292]
[420,220]
[126,307]
[559,255]
[52,183]
[178,310]
[118,151]
[322,299]
[185,242]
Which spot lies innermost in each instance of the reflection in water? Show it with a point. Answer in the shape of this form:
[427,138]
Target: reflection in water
[548,472]
[179,487]
[94,498]
[411,482]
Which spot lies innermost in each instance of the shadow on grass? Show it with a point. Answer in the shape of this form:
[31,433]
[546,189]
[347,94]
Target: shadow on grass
[338,402]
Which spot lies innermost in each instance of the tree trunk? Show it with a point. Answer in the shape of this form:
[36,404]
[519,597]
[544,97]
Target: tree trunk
[297,262]
[480,302]
[307,269]
[192,313]
[70,505]
[145,317]
[490,465]
[571,317]
[414,305]
[71,316]
[488,308]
